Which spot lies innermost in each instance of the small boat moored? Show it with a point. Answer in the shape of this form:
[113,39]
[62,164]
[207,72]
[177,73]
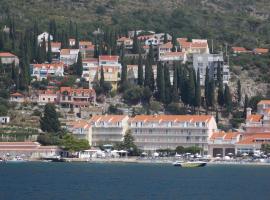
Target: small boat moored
[192,164]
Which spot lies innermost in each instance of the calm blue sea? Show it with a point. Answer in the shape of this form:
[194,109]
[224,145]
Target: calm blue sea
[84,181]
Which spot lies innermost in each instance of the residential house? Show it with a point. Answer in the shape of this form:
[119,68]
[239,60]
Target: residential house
[126,42]
[9,58]
[222,143]
[87,49]
[170,57]
[260,51]
[196,46]
[48,96]
[80,129]
[238,50]
[28,149]
[259,122]
[4,119]
[108,129]
[71,42]
[76,99]
[164,48]
[46,70]
[212,62]
[17,97]
[44,35]
[252,143]
[152,132]
[69,56]
[88,64]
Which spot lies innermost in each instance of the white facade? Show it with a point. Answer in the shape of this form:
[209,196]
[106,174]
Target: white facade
[211,61]
[43,71]
[108,129]
[4,119]
[169,131]
[44,35]
[69,56]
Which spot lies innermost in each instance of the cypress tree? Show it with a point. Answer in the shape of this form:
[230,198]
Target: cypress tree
[239,93]
[191,87]
[165,38]
[140,70]
[160,83]
[198,90]
[167,83]
[220,95]
[50,122]
[102,79]
[245,106]
[71,31]
[123,74]
[150,55]
[174,43]
[206,86]
[211,94]
[175,95]
[228,98]
[96,52]
[149,76]
[135,46]
[49,52]
[76,38]
[43,50]
[79,66]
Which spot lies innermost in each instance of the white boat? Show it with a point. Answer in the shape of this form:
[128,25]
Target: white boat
[16,159]
[192,164]
[177,163]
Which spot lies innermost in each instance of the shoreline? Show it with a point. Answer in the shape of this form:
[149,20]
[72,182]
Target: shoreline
[148,161]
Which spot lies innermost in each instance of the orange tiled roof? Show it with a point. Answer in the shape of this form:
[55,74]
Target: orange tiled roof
[216,135]
[171,54]
[254,118]
[251,139]
[85,43]
[168,118]
[56,44]
[80,124]
[166,45]
[108,57]
[17,94]
[7,54]
[47,65]
[108,118]
[264,102]
[122,39]
[239,49]
[261,50]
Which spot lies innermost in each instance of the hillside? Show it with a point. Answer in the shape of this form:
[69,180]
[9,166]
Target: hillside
[216,19]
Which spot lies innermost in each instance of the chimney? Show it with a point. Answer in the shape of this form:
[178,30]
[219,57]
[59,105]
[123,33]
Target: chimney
[248,112]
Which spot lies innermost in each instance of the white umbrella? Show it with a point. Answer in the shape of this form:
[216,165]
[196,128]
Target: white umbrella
[244,154]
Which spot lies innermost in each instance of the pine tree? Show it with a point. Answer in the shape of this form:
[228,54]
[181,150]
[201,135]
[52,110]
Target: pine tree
[50,122]
[167,83]
[79,66]
[140,70]
[49,52]
[239,92]
[135,46]
[228,98]
[198,90]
